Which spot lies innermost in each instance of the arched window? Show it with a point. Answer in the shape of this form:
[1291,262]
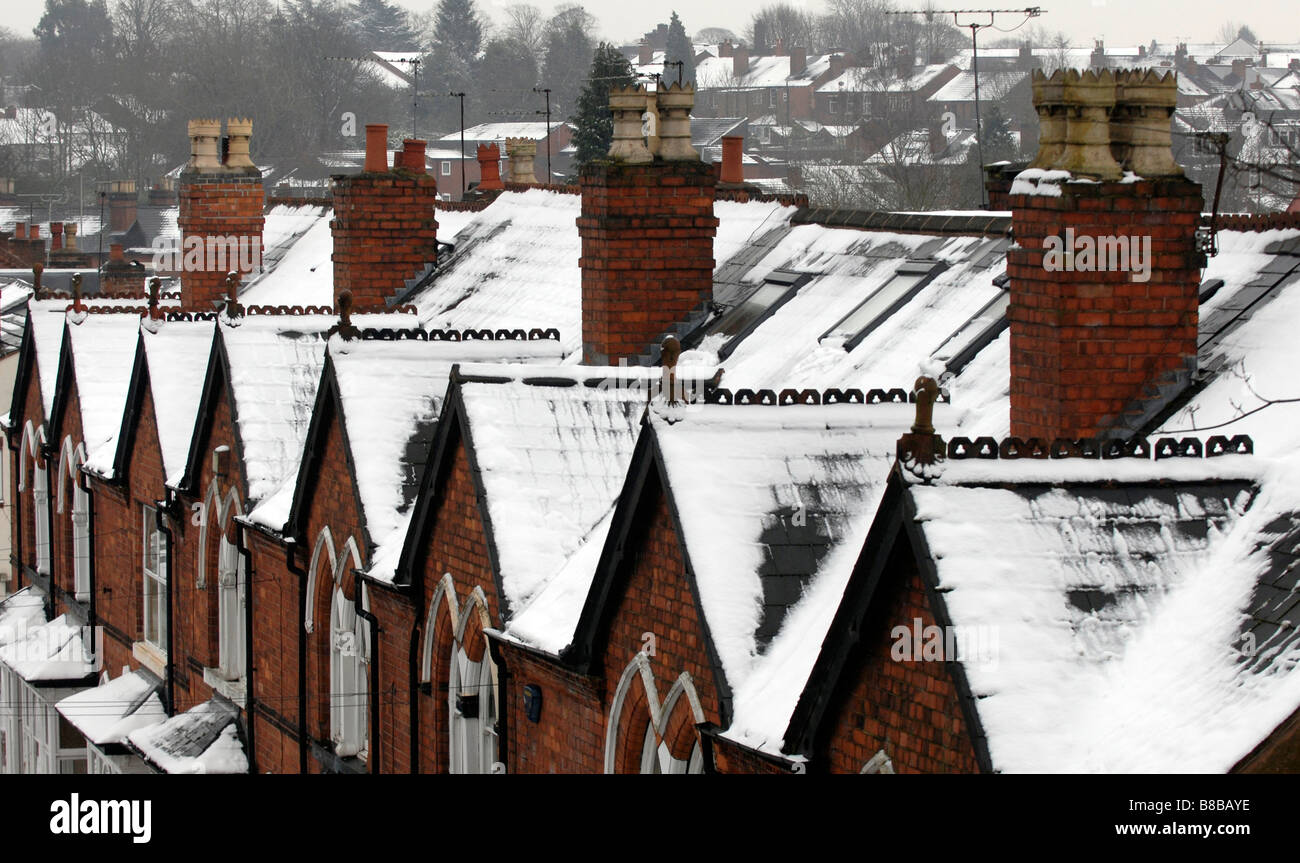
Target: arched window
[41,515]
[80,542]
[646,736]
[231,599]
[349,664]
[472,695]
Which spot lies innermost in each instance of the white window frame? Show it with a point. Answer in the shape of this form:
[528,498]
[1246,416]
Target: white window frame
[475,746]
[349,667]
[41,517]
[153,567]
[80,541]
[445,168]
[231,600]
[832,104]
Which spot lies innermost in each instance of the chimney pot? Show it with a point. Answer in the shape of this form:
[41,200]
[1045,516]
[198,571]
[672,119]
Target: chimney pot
[733,170]
[376,148]
[413,155]
[489,168]
[20,231]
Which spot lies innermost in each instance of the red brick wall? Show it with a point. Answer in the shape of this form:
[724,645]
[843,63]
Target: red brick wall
[277,627]
[457,544]
[385,231]
[909,709]
[647,252]
[1087,346]
[569,736]
[217,205]
[61,557]
[654,596]
[397,618]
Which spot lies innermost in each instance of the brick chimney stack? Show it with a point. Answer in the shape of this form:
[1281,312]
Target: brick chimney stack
[522,153]
[121,205]
[117,274]
[1104,275]
[27,246]
[798,61]
[739,62]
[647,229]
[221,204]
[385,229]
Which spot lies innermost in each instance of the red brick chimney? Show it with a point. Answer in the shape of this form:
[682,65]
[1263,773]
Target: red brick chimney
[645,54]
[221,205]
[798,61]
[489,168]
[121,205]
[1104,275]
[739,62]
[647,229]
[384,227]
[27,246]
[117,274]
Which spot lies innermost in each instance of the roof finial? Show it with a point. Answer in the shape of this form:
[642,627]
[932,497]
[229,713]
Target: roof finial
[921,447]
[37,269]
[344,327]
[233,309]
[76,292]
[669,352]
[155,293]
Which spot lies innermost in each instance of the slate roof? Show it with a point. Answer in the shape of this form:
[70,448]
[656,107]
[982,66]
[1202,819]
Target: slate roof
[107,713]
[203,739]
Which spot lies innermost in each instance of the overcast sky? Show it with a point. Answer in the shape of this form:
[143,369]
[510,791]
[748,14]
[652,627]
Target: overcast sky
[1119,22]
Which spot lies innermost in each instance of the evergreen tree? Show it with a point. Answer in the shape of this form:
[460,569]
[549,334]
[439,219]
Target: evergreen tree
[567,55]
[999,143]
[679,49]
[458,31]
[512,70]
[593,122]
[383,26]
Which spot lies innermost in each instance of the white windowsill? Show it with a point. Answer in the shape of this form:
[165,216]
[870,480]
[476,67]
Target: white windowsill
[234,690]
[150,657]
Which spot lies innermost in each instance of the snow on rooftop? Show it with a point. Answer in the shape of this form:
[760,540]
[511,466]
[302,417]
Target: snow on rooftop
[103,354]
[1105,625]
[109,712]
[552,460]
[177,353]
[791,347]
[297,245]
[203,739]
[515,266]
[774,506]
[47,318]
[20,611]
[49,651]
[392,395]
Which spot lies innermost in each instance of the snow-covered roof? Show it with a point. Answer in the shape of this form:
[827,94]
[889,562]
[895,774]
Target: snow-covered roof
[177,353]
[53,651]
[774,505]
[19,611]
[766,71]
[866,80]
[103,353]
[994,85]
[1133,627]
[535,130]
[203,739]
[551,461]
[107,713]
[391,394]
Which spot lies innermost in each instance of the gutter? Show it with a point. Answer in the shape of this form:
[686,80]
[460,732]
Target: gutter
[289,545]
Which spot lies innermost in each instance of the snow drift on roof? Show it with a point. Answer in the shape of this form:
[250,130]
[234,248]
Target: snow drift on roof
[177,353]
[109,712]
[203,739]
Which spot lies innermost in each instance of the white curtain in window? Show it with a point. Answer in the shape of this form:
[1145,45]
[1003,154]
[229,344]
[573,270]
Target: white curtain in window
[231,587]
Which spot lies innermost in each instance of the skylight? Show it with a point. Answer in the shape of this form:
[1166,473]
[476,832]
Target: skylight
[893,295]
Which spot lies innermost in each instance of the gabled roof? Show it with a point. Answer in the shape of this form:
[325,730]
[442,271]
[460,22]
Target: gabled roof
[771,505]
[172,357]
[388,396]
[101,349]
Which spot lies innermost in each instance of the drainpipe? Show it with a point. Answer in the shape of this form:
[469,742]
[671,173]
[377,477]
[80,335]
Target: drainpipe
[16,513]
[413,686]
[289,544]
[373,729]
[503,686]
[160,524]
[241,546]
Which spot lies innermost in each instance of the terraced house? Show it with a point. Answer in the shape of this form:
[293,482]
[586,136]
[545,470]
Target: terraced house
[661,474]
